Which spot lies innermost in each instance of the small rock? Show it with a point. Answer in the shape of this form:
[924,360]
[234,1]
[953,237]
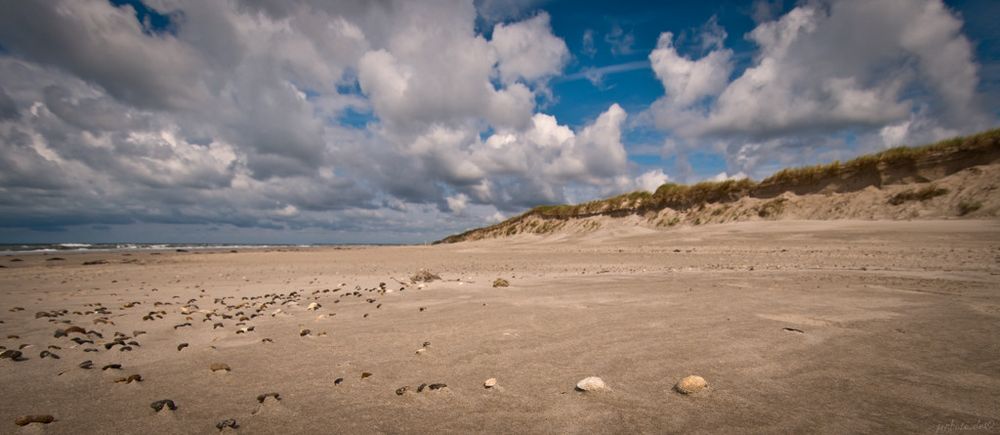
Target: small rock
[500,282]
[365,375]
[437,386]
[304,332]
[12,354]
[231,422]
[402,390]
[25,420]
[490,383]
[160,404]
[592,383]
[261,398]
[338,381]
[421,351]
[691,384]
[220,367]
[313,306]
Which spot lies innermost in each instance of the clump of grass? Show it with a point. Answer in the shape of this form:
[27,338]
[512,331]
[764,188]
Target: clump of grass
[966,207]
[922,194]
[771,208]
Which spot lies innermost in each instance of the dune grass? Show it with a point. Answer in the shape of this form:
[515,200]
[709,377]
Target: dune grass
[683,197]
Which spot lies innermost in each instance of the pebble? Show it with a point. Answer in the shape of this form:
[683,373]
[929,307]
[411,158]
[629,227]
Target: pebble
[313,306]
[592,383]
[220,367]
[231,422]
[47,354]
[402,390]
[159,404]
[130,379]
[261,398]
[365,375]
[691,384]
[490,383]
[338,381]
[25,420]
[12,354]
[88,364]
[181,346]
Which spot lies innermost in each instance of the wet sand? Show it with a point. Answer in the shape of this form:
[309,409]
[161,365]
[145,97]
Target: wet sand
[798,327]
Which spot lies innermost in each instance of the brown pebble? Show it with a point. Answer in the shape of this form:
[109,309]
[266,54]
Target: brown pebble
[12,354]
[130,379]
[25,420]
[338,381]
[365,375]
[220,367]
[437,386]
[262,397]
[112,366]
[181,346]
[402,390]
[159,404]
[231,422]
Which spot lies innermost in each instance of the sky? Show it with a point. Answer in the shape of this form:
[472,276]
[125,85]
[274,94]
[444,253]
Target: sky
[356,121]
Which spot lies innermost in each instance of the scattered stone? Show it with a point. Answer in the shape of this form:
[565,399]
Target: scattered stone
[338,381]
[793,330]
[160,404]
[25,420]
[304,332]
[112,366]
[490,383]
[220,367]
[47,354]
[14,355]
[500,282]
[592,383]
[420,389]
[402,390]
[231,422]
[262,397]
[129,379]
[365,375]
[88,364]
[437,386]
[421,351]
[181,346]
[691,384]
[313,306]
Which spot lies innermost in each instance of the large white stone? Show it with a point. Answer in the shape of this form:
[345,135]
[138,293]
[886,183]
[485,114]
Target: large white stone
[592,383]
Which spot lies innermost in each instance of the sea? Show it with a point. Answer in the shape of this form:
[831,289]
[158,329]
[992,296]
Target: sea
[84,247]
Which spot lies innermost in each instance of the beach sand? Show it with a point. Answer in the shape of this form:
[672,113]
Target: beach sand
[797,327]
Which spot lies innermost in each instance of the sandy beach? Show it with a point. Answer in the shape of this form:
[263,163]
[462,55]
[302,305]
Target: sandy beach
[797,327]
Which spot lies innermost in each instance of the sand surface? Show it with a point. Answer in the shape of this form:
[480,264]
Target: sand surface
[892,327]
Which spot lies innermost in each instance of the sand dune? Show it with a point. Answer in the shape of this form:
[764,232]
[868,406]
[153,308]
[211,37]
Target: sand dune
[797,327]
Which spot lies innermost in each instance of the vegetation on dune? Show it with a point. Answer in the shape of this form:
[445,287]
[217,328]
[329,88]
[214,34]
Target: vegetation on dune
[922,194]
[864,171]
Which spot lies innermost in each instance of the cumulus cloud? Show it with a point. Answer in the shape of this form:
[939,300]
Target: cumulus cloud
[649,181]
[890,72]
[527,50]
[347,116]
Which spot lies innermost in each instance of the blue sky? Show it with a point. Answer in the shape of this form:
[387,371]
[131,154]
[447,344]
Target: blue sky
[321,122]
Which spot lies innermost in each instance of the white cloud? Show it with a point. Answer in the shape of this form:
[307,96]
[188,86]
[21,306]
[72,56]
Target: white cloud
[457,202]
[889,72]
[651,180]
[527,50]
[688,81]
